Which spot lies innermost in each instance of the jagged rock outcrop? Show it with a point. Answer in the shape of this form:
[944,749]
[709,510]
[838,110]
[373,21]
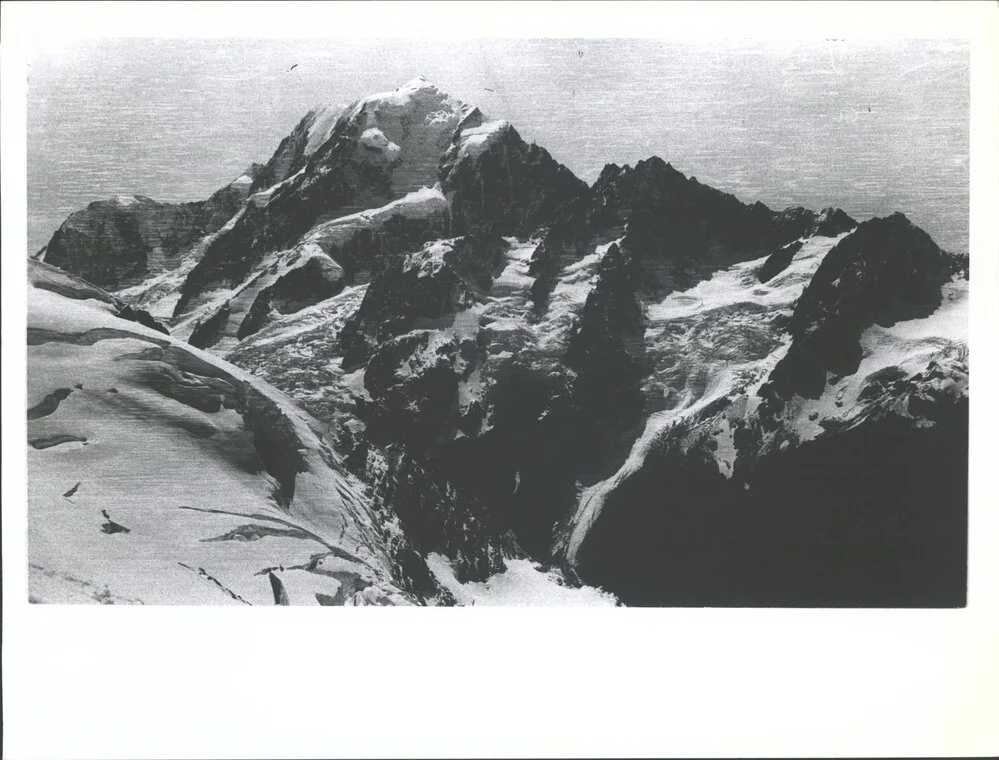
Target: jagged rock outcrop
[432,283]
[677,230]
[607,352]
[498,184]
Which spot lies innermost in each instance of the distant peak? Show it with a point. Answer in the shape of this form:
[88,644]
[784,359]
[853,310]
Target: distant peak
[125,200]
[419,83]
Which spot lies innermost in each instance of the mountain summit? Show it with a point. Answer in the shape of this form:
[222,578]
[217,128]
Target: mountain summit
[413,359]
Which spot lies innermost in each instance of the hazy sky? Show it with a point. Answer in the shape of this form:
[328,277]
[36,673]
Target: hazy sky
[872,127]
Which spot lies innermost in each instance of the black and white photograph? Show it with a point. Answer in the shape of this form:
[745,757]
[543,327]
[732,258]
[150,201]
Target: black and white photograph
[338,320]
[405,355]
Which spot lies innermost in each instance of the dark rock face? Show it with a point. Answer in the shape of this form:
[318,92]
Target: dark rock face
[778,261]
[959,264]
[523,466]
[141,316]
[300,287]
[431,284]
[508,189]
[798,221]
[115,243]
[371,248]
[871,517]
[291,212]
[437,517]
[207,333]
[607,352]
[888,270]
[414,385]
[223,204]
[678,230]
[111,244]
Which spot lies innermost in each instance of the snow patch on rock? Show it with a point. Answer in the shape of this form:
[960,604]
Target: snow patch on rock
[417,118]
[905,350]
[474,141]
[429,260]
[569,296]
[262,198]
[322,127]
[374,139]
[419,204]
[523,584]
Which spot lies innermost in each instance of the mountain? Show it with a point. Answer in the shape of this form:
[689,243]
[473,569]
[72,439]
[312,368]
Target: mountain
[643,391]
[124,240]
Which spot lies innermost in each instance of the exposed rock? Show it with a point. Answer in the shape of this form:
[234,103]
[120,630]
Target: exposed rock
[778,261]
[499,185]
[120,242]
[433,283]
[874,516]
[280,594]
[607,352]
[141,316]
[208,332]
[49,404]
[888,270]
[382,148]
[645,384]
[293,151]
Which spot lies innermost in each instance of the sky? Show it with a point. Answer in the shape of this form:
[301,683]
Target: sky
[869,126]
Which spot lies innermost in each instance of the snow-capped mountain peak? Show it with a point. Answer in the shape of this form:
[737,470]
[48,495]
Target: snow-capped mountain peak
[511,380]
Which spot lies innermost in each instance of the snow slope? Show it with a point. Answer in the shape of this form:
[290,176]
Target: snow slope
[161,474]
[411,126]
[321,127]
[474,141]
